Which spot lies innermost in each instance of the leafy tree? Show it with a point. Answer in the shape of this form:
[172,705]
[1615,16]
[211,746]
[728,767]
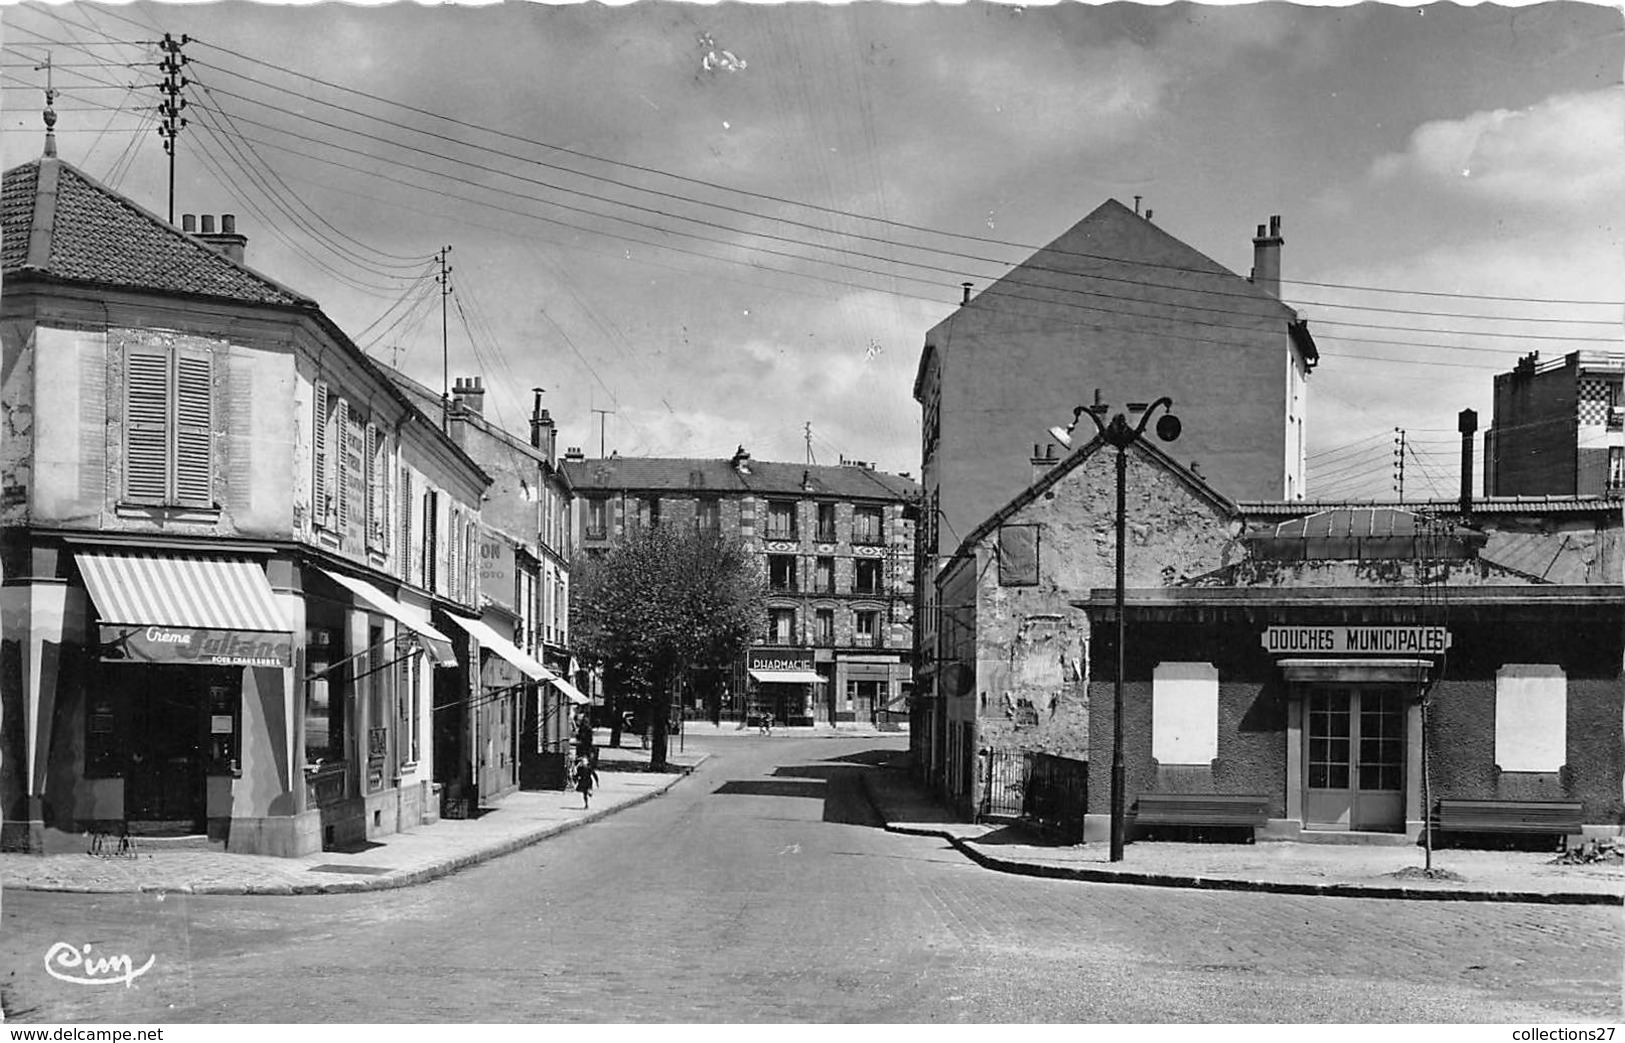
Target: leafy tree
[662,602]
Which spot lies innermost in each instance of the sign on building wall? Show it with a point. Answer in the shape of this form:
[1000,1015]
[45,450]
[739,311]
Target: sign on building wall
[1346,640]
[779,660]
[496,570]
[195,646]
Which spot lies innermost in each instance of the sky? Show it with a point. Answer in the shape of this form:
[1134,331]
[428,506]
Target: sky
[705,226]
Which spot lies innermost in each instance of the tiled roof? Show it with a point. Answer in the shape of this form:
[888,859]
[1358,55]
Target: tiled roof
[86,232]
[1487,505]
[630,473]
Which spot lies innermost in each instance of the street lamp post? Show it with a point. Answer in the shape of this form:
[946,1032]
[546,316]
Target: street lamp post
[1121,433]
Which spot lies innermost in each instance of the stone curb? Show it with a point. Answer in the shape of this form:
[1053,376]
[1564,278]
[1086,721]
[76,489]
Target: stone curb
[1209,883]
[383,883]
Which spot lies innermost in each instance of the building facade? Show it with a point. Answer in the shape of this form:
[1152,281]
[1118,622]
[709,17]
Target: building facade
[1294,669]
[523,709]
[1114,307]
[837,547]
[1558,427]
[230,546]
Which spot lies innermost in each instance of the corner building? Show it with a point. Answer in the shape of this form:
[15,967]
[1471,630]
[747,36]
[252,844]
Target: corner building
[230,546]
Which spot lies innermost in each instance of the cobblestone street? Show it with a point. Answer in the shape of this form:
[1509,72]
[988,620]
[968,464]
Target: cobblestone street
[762,889]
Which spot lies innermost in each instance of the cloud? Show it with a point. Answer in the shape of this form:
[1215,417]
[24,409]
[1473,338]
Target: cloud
[1566,152]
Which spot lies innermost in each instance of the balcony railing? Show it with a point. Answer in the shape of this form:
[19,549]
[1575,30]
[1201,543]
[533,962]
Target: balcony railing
[871,538]
[824,534]
[781,533]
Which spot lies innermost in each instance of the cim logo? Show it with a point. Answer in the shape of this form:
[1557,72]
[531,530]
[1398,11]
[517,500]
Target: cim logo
[65,962]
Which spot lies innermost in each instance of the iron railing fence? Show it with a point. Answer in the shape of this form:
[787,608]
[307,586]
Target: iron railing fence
[1045,790]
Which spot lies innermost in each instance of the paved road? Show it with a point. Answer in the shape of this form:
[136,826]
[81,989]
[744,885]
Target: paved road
[762,889]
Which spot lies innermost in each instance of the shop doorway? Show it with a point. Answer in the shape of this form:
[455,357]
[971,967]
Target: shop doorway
[1354,763]
[164,784]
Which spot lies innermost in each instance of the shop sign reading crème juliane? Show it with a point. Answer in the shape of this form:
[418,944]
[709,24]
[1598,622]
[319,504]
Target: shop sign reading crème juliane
[1356,640]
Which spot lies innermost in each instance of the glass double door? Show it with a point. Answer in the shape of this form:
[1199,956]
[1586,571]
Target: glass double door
[1354,764]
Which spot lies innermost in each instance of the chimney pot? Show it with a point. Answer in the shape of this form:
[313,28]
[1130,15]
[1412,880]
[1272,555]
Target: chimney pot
[189,222]
[228,224]
[966,298]
[208,224]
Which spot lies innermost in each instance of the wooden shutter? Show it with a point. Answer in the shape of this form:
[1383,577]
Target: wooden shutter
[341,462]
[374,481]
[385,472]
[146,425]
[318,485]
[406,555]
[431,537]
[194,430]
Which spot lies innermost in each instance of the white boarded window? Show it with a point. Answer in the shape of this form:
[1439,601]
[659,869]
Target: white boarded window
[1185,713]
[1531,717]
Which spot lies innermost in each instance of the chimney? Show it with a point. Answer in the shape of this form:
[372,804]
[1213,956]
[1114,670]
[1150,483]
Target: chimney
[965,299]
[226,241]
[1267,258]
[574,455]
[467,393]
[741,461]
[1044,458]
[1467,424]
[544,434]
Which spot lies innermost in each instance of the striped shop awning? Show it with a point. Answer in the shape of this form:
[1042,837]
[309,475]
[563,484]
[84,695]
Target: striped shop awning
[190,609]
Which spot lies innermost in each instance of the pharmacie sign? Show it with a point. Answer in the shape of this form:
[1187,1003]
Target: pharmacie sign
[195,646]
[779,661]
[1346,640]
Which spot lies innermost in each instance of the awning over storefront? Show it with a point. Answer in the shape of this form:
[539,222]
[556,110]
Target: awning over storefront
[489,638]
[437,644]
[570,691]
[786,677]
[186,609]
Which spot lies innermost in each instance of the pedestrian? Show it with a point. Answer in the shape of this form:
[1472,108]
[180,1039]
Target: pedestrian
[586,779]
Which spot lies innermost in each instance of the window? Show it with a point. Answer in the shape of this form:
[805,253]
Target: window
[1185,713]
[826,523]
[407,559]
[407,685]
[781,626]
[781,572]
[1531,718]
[824,576]
[708,515]
[1018,555]
[652,511]
[169,426]
[868,629]
[866,575]
[431,538]
[1616,468]
[378,472]
[868,525]
[824,627]
[781,520]
[598,518]
[330,500]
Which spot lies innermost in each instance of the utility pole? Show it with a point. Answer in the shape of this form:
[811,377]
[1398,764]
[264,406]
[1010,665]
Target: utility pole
[602,413]
[444,279]
[1399,462]
[170,108]
[811,459]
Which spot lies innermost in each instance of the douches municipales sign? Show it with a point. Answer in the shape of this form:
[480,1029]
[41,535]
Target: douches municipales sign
[1346,640]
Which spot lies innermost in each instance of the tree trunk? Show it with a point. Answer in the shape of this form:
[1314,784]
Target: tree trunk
[659,712]
[612,700]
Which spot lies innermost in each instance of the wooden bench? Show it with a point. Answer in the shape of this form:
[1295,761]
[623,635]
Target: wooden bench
[1201,809]
[1508,816]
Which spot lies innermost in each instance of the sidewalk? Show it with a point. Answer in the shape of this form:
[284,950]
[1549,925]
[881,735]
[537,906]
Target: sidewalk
[396,860]
[1341,870]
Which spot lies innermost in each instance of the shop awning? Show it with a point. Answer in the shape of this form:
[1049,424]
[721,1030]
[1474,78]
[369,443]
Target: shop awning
[489,638]
[571,692]
[437,644]
[786,677]
[174,608]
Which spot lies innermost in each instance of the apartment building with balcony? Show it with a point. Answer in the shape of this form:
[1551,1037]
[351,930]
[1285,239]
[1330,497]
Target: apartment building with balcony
[1558,427]
[837,551]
